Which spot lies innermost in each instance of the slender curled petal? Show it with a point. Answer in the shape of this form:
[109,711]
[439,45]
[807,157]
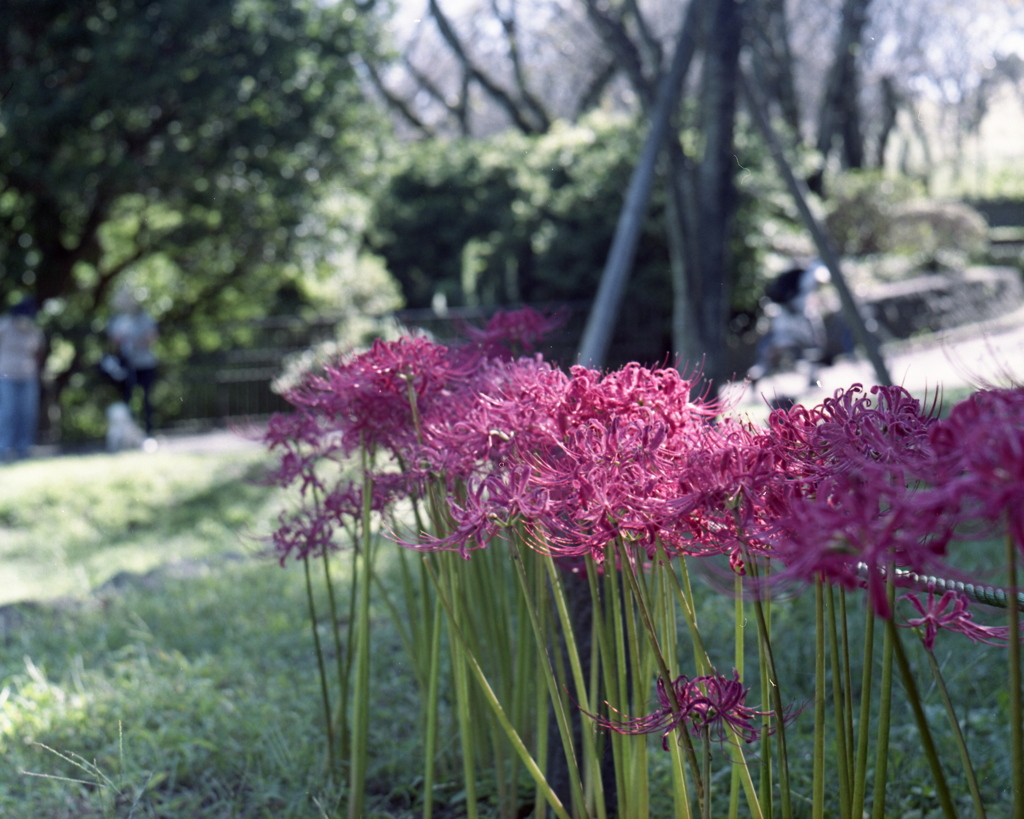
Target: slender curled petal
[712,703]
[949,612]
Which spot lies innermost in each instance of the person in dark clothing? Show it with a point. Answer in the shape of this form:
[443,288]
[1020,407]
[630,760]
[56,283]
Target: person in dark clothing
[796,331]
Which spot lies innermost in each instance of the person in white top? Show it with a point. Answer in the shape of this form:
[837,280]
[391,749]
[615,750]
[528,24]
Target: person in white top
[133,332]
[22,351]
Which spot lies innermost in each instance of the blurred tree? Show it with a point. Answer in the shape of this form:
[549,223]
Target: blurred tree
[839,120]
[179,146]
[840,75]
[488,65]
[516,218]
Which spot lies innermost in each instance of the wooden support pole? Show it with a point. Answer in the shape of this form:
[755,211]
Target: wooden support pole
[826,248]
[597,335]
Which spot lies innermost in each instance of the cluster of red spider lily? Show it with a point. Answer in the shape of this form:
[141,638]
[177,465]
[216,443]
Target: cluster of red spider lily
[866,482]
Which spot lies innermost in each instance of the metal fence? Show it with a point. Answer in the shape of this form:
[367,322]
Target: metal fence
[222,387]
[225,386]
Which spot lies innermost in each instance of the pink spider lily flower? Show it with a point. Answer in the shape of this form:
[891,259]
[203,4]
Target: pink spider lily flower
[951,613]
[852,523]
[884,426]
[634,392]
[511,333]
[366,397]
[303,534]
[301,442]
[601,479]
[503,411]
[726,490]
[712,703]
[980,458]
[489,506]
[855,465]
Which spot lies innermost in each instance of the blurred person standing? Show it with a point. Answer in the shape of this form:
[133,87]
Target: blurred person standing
[22,351]
[132,332]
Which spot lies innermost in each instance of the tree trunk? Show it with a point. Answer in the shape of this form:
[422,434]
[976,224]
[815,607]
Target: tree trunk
[710,280]
[839,119]
[680,222]
[773,58]
[890,108]
[823,242]
[601,322]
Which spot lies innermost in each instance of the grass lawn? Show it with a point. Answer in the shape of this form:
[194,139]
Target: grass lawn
[153,664]
[147,651]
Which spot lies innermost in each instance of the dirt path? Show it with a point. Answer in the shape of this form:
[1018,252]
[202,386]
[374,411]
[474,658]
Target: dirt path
[987,352]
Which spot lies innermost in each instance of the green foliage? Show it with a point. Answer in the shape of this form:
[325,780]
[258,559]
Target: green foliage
[871,213]
[519,219]
[514,219]
[167,699]
[938,233]
[861,206]
[179,148]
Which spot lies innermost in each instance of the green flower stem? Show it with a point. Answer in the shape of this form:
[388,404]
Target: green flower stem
[818,781]
[596,661]
[1014,657]
[461,653]
[539,688]
[961,744]
[431,705]
[614,601]
[554,692]
[609,670]
[324,694]
[413,626]
[339,653]
[847,686]
[864,724]
[641,674]
[739,656]
[684,594]
[680,792]
[361,695]
[839,705]
[764,785]
[652,635]
[496,708]
[707,770]
[764,637]
[667,624]
[928,744]
[588,733]
[524,690]
[884,713]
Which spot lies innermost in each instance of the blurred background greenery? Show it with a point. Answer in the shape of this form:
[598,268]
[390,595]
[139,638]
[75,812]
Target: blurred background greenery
[273,176]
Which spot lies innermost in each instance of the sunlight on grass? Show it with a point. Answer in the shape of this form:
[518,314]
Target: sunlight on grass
[69,525]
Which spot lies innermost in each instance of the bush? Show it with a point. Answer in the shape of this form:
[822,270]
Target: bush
[861,209]
[871,214]
[942,233]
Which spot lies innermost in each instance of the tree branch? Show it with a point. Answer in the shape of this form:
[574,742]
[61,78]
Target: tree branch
[396,102]
[615,36]
[508,24]
[502,97]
